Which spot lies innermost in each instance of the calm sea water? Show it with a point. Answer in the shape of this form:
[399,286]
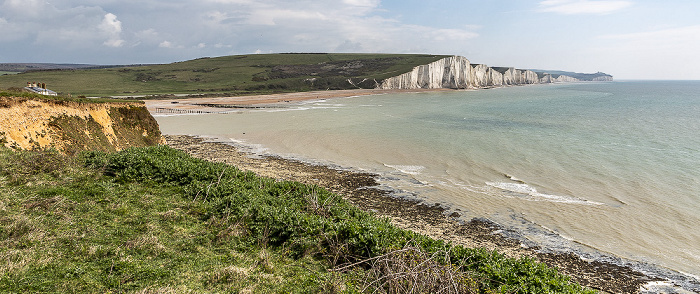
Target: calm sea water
[609,166]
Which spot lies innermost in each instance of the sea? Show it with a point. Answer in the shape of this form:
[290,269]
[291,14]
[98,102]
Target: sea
[607,170]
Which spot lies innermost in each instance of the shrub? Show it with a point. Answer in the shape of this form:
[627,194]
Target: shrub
[309,221]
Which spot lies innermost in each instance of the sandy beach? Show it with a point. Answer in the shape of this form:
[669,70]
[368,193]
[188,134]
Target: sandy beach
[226,104]
[360,189]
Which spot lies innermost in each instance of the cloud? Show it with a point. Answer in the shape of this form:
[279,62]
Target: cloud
[582,6]
[166,44]
[349,46]
[113,29]
[161,31]
[67,27]
[362,3]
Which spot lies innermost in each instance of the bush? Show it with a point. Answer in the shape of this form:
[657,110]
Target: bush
[309,221]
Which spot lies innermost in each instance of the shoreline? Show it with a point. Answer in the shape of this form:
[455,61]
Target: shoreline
[225,104]
[361,189]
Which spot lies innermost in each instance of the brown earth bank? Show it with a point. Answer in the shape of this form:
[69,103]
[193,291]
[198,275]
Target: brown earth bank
[362,190]
[70,127]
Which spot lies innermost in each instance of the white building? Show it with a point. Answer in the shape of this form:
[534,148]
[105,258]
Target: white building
[40,88]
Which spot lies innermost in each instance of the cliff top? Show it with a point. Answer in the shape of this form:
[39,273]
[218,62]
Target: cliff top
[17,94]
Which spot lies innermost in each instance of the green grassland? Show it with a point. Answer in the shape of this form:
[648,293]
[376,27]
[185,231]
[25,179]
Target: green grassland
[236,75]
[155,220]
[18,95]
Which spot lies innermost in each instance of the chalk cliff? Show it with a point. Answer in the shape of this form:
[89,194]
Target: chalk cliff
[605,78]
[456,72]
[71,127]
[566,79]
[452,72]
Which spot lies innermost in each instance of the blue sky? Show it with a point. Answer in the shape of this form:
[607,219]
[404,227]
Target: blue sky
[630,39]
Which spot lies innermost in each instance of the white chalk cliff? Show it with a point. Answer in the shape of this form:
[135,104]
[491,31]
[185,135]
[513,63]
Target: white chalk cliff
[456,72]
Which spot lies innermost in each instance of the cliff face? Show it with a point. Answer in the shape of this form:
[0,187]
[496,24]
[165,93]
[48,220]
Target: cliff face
[456,72]
[71,127]
[483,76]
[452,72]
[566,79]
[603,79]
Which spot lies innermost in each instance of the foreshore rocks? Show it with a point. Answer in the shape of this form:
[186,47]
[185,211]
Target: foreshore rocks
[457,72]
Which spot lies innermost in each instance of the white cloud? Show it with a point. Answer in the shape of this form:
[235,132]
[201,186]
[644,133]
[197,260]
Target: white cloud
[166,44]
[111,25]
[188,29]
[113,29]
[232,1]
[272,17]
[583,6]
[362,3]
[39,22]
[27,8]
[114,43]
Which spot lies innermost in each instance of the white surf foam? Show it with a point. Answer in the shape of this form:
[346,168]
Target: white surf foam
[257,149]
[527,192]
[407,169]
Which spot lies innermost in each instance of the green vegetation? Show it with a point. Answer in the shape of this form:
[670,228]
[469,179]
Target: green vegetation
[133,126]
[155,219]
[234,75]
[2,73]
[18,93]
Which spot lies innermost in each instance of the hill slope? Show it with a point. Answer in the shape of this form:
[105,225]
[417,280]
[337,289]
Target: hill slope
[240,74]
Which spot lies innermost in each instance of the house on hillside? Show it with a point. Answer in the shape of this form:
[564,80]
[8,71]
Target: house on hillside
[40,88]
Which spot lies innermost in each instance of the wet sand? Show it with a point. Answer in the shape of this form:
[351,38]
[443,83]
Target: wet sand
[361,189]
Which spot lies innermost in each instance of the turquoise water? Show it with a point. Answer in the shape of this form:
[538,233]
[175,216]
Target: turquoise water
[610,166]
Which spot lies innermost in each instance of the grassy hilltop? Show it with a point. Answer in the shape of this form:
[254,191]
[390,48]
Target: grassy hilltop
[236,75]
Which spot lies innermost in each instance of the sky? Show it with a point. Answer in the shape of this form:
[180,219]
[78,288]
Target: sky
[629,39]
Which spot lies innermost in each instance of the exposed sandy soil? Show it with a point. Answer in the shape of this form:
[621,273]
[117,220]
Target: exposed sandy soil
[24,122]
[360,189]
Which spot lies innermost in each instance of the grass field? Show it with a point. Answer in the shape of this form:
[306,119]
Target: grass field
[236,75]
[2,73]
[155,220]
[20,95]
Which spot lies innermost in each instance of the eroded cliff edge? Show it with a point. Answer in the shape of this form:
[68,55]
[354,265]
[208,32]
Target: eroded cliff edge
[457,72]
[70,127]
